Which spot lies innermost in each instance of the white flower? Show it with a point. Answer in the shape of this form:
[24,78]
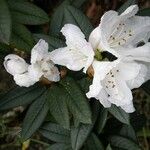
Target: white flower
[121,34]
[113,81]
[77,54]
[27,75]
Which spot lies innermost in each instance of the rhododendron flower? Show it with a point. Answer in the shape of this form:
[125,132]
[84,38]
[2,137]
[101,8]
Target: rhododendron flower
[120,35]
[25,74]
[113,81]
[78,53]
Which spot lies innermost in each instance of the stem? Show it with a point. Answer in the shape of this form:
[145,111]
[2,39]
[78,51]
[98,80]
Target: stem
[40,142]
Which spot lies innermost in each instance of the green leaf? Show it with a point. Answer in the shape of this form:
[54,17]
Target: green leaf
[5,22]
[93,143]
[53,42]
[128,132]
[79,135]
[108,147]
[21,37]
[20,96]
[119,114]
[69,14]
[60,146]
[77,103]
[57,104]
[34,117]
[144,12]
[126,5]
[78,3]
[124,143]
[55,133]
[101,121]
[27,13]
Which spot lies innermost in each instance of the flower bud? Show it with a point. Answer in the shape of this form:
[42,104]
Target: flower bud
[15,64]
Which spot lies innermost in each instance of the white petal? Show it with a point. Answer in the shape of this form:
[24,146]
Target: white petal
[35,72]
[100,71]
[139,79]
[24,80]
[39,51]
[128,108]
[15,64]
[50,71]
[141,53]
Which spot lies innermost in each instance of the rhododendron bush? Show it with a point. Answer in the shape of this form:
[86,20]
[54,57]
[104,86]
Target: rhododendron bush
[76,82]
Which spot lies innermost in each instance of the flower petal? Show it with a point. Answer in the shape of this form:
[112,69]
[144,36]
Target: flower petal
[15,64]
[128,108]
[24,80]
[39,51]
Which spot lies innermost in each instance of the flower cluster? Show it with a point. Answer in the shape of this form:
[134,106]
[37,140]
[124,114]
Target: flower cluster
[113,80]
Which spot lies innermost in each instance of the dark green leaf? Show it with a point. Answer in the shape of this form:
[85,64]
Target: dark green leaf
[128,132]
[108,147]
[27,13]
[126,5]
[20,96]
[78,104]
[21,38]
[93,143]
[79,135]
[70,14]
[144,12]
[57,103]
[78,3]
[53,42]
[55,133]
[120,114]
[124,143]
[5,22]
[34,117]
[59,146]
[101,121]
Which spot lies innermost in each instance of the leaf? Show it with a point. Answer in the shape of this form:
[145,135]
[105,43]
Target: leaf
[93,143]
[101,121]
[124,143]
[20,96]
[53,42]
[27,13]
[55,133]
[77,102]
[126,5]
[119,114]
[69,14]
[78,3]
[57,104]
[144,12]
[5,22]
[128,132]
[34,117]
[21,37]
[79,135]
[59,146]
[108,147]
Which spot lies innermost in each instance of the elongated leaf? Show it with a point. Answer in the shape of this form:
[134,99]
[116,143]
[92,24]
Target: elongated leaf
[93,143]
[53,42]
[124,143]
[35,117]
[128,132]
[126,5]
[20,96]
[144,12]
[5,22]
[108,147]
[77,102]
[60,146]
[55,133]
[120,114]
[70,14]
[21,37]
[27,13]
[57,104]
[79,135]
[78,3]
[101,121]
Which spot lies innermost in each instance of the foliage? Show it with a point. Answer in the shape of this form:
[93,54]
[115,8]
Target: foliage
[76,122]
